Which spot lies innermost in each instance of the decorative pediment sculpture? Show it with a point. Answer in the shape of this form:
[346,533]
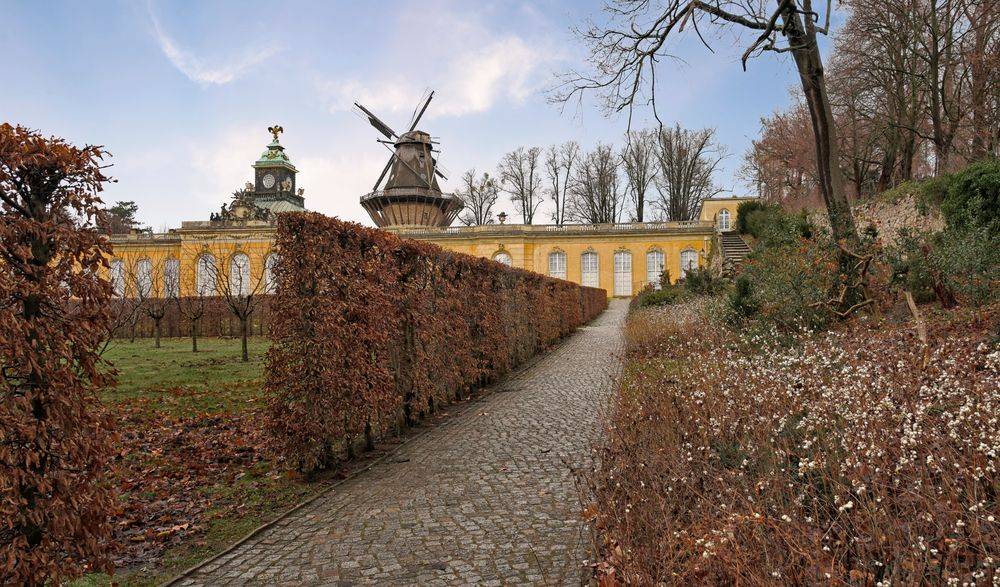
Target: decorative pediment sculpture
[241,208]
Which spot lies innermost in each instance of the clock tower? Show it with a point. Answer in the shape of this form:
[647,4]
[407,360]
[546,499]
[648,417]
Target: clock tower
[274,178]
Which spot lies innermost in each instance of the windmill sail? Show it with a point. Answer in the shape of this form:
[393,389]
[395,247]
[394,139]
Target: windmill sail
[375,121]
[419,112]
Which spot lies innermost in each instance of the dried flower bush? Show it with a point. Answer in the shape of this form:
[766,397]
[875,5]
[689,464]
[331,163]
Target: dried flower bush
[834,460]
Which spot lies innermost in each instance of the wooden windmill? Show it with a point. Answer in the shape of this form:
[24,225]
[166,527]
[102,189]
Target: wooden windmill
[410,195]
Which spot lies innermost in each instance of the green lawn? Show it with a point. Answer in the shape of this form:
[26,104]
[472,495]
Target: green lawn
[180,382]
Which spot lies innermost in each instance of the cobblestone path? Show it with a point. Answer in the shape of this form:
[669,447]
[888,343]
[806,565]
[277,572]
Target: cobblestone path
[486,498]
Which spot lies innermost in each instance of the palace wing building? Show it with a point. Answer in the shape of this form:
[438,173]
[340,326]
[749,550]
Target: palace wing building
[234,247]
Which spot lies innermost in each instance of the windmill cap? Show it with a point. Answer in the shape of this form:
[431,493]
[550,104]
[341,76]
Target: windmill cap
[414,136]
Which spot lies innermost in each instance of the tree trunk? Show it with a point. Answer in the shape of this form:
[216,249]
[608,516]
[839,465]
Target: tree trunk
[369,437]
[906,160]
[243,335]
[888,166]
[980,72]
[156,331]
[194,336]
[831,181]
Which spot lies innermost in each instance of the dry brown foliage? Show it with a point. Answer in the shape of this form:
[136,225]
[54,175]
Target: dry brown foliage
[53,441]
[838,460]
[372,330]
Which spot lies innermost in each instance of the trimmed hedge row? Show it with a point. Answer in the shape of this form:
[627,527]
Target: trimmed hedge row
[55,438]
[370,330]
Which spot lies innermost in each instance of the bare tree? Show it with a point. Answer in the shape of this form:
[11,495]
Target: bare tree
[559,165]
[480,194]
[126,304]
[624,51]
[200,285]
[876,57]
[860,127]
[639,158]
[983,61]
[157,286]
[241,282]
[596,196]
[686,160]
[521,177]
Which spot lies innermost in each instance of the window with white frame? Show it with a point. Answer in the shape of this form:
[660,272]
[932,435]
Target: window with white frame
[723,219]
[118,277]
[269,284]
[239,275]
[144,277]
[172,278]
[590,273]
[505,258]
[689,261]
[654,267]
[205,276]
[623,273]
[557,264]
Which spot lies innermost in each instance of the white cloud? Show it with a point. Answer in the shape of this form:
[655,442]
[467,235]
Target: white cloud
[197,69]
[470,67]
[221,164]
[335,181]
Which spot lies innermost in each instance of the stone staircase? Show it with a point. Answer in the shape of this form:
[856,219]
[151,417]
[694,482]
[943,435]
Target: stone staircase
[734,248]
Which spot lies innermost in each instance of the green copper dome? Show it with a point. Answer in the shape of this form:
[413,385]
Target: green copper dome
[274,155]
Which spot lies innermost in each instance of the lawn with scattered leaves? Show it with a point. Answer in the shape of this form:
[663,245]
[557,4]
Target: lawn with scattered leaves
[191,468]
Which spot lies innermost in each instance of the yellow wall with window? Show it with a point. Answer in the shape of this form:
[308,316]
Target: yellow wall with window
[186,246]
[528,246]
[712,207]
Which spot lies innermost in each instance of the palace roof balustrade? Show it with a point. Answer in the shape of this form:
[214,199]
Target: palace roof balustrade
[508,230]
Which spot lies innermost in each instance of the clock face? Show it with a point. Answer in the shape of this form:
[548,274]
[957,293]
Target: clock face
[268,181]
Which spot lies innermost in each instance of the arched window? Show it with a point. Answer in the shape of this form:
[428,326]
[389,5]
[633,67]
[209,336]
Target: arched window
[239,275]
[144,278]
[623,273]
[118,277]
[557,264]
[172,278]
[590,273]
[723,220]
[205,276]
[654,267]
[504,257]
[270,285]
[689,261]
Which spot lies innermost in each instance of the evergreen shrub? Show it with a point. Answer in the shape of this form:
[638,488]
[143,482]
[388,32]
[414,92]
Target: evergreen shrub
[962,262]
[973,198]
[743,212]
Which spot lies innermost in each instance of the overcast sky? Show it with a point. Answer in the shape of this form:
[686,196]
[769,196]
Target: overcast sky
[182,92]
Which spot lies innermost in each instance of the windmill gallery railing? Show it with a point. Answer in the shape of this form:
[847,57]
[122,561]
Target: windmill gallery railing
[371,330]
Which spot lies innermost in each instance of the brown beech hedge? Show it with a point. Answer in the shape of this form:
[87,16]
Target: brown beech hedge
[371,331]
[54,440]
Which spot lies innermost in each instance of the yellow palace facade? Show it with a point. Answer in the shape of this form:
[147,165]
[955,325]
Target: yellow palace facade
[232,251]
